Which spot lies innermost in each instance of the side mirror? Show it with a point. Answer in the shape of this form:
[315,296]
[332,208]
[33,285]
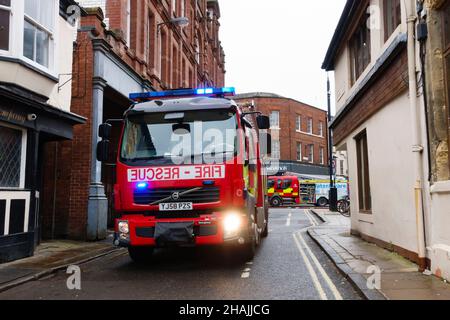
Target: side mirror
[263,122]
[266,144]
[103,151]
[104,131]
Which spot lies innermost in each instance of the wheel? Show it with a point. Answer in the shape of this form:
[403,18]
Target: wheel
[265,232]
[276,202]
[322,202]
[140,254]
[343,208]
[248,250]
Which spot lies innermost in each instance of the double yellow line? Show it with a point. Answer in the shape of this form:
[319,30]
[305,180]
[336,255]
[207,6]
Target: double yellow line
[311,260]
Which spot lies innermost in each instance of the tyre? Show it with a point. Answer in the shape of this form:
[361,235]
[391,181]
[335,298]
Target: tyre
[265,232]
[248,250]
[276,202]
[140,254]
[322,202]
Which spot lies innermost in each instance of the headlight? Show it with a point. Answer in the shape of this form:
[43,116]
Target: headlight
[232,223]
[124,227]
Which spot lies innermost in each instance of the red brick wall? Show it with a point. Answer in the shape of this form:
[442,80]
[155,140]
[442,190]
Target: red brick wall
[289,109]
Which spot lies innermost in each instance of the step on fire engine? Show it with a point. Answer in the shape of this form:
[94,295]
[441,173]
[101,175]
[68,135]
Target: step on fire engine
[189,172]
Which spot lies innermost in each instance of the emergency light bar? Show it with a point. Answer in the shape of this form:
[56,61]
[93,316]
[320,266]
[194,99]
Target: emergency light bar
[206,92]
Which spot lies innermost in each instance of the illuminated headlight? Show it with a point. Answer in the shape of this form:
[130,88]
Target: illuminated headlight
[124,228]
[232,224]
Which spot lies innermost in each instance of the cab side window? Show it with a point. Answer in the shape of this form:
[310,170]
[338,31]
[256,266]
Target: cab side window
[287,184]
[271,184]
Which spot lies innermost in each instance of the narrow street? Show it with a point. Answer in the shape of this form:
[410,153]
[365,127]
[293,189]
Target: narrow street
[288,266]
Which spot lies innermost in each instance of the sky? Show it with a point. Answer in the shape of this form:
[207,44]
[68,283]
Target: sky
[279,46]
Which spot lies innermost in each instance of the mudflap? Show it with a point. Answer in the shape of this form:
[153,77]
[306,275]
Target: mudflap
[174,234]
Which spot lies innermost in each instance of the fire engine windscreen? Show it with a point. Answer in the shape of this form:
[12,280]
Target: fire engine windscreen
[188,137]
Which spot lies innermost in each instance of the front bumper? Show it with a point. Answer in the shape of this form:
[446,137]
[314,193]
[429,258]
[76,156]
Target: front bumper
[160,233]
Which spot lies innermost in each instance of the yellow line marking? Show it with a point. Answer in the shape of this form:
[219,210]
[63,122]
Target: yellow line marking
[311,271]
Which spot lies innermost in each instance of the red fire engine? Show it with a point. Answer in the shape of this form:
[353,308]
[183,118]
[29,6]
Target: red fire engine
[211,195]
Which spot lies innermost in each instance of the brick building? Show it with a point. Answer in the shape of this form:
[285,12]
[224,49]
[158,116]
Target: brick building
[299,132]
[123,46]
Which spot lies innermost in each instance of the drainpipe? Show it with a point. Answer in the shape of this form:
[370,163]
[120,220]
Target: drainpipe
[416,126]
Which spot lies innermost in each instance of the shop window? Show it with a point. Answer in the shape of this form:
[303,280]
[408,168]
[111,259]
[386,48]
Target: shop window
[38,30]
[360,49]
[364,194]
[392,17]
[5,14]
[12,157]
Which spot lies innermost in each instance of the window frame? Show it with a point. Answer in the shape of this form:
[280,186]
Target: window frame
[299,152]
[322,155]
[52,38]
[388,34]
[365,202]
[310,128]
[277,126]
[9,9]
[298,123]
[23,158]
[311,153]
[276,154]
[356,71]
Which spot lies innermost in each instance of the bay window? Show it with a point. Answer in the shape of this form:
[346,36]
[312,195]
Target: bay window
[38,30]
[5,14]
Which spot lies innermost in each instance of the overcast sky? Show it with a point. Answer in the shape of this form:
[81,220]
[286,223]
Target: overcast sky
[279,46]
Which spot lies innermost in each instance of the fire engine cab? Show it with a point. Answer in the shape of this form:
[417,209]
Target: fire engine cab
[189,172]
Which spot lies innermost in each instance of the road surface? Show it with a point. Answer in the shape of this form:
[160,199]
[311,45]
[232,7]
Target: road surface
[287,266]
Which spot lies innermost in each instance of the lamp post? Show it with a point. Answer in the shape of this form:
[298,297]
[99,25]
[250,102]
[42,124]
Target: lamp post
[333,195]
[181,22]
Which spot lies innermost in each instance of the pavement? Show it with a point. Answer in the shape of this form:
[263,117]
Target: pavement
[359,261]
[50,257]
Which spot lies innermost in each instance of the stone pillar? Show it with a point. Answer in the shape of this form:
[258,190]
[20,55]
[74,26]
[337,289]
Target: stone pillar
[98,202]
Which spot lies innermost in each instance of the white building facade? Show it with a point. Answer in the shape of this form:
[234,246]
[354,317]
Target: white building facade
[375,54]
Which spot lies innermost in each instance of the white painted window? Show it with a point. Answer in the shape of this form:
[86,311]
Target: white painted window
[298,124]
[275,119]
[299,151]
[13,148]
[5,25]
[321,128]
[174,7]
[128,35]
[322,155]
[197,50]
[38,32]
[310,126]
[311,153]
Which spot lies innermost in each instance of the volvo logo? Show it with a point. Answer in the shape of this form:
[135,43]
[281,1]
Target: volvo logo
[175,196]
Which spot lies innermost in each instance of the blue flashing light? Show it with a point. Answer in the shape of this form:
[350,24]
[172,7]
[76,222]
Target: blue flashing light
[142,185]
[209,92]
